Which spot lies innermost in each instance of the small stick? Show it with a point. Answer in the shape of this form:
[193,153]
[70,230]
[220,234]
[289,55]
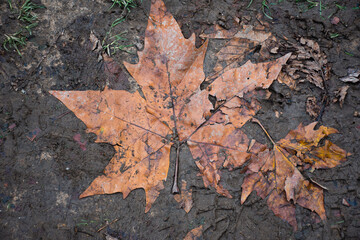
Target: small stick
[60,116]
[107,224]
[175,188]
[267,134]
[323,187]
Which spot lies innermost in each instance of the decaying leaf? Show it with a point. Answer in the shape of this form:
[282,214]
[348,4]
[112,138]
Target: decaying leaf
[307,63]
[95,42]
[243,32]
[287,80]
[194,234]
[352,77]
[172,111]
[312,107]
[277,174]
[340,95]
[185,197]
[244,41]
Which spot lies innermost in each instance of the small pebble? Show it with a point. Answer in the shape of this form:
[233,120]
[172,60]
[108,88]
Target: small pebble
[139,45]
[356,114]
[67,168]
[345,203]
[335,20]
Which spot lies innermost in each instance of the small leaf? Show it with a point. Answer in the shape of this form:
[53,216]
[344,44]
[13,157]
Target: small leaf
[275,174]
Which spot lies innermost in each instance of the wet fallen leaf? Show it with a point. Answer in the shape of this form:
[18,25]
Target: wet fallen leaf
[312,107]
[277,173]
[194,234]
[243,32]
[352,77]
[172,111]
[307,63]
[244,41]
[185,197]
[287,80]
[94,42]
[340,95]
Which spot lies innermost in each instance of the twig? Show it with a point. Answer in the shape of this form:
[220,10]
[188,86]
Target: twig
[60,116]
[76,230]
[107,224]
[323,187]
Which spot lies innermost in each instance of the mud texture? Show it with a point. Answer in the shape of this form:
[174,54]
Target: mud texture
[44,170]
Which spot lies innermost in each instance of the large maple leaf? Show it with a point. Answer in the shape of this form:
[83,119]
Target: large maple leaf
[170,111]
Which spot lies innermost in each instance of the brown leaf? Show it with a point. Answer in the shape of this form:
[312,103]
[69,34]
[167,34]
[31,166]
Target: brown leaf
[353,76]
[287,80]
[312,107]
[185,197]
[244,32]
[276,174]
[95,42]
[171,111]
[307,63]
[194,234]
[243,41]
[340,95]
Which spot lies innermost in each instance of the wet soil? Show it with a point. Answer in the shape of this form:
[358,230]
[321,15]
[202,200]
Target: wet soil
[44,170]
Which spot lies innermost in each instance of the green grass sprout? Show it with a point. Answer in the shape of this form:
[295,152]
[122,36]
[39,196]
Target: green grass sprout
[124,4]
[10,4]
[30,26]
[113,43]
[349,53]
[340,7]
[14,41]
[265,7]
[30,20]
[26,11]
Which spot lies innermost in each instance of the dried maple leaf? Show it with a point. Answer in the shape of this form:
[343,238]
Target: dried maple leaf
[276,174]
[308,63]
[172,110]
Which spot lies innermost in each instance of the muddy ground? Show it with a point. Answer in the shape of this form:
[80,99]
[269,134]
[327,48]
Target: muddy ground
[43,169]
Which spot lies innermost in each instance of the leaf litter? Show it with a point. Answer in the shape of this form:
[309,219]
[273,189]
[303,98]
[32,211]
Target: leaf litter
[173,110]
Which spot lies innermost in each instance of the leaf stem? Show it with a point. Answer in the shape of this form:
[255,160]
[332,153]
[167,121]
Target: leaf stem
[267,134]
[175,188]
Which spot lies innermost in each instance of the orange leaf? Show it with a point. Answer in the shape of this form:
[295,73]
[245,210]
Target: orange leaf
[185,197]
[171,111]
[276,174]
[194,234]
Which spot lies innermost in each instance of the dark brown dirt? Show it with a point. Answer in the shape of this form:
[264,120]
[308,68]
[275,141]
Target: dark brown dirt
[40,180]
